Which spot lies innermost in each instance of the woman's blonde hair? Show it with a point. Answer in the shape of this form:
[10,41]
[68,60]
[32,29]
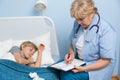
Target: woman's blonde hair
[28,43]
[82,8]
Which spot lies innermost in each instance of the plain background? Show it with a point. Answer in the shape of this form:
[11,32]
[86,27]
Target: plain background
[59,11]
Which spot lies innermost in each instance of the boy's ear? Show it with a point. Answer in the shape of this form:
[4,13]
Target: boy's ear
[23,46]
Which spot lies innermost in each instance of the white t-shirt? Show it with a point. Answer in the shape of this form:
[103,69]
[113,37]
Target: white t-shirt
[80,43]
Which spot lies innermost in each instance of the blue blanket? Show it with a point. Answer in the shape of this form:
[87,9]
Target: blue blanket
[10,70]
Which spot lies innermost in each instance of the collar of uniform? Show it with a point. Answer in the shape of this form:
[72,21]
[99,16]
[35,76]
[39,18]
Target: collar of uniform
[94,21]
[92,33]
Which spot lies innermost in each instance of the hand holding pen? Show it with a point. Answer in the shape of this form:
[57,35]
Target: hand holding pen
[69,58]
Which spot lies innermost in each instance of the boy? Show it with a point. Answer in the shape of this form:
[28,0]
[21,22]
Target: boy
[23,55]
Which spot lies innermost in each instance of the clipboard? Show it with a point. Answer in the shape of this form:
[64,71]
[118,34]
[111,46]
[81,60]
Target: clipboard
[66,67]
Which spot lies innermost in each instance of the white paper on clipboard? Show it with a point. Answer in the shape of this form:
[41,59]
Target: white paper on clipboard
[65,67]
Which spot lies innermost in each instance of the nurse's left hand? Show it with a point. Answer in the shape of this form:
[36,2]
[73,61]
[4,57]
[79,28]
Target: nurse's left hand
[78,69]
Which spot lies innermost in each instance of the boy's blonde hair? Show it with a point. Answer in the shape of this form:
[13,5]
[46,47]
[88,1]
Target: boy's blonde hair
[29,43]
[82,8]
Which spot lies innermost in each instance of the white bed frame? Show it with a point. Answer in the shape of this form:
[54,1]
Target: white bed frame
[27,28]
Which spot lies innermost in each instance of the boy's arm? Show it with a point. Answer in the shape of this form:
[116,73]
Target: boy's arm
[37,63]
[39,57]
[21,60]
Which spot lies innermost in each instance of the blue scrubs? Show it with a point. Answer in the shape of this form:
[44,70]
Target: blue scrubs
[96,46]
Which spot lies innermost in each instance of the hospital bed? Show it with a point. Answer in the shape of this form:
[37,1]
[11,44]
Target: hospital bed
[14,30]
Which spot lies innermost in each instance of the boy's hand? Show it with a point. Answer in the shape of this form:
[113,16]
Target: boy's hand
[31,60]
[41,47]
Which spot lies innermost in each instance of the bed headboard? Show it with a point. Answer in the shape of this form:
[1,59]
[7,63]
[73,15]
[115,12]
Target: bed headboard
[28,27]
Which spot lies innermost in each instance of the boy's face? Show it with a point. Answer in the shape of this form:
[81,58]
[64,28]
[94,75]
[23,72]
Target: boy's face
[28,51]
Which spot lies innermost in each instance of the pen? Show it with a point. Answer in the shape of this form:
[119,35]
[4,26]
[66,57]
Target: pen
[68,56]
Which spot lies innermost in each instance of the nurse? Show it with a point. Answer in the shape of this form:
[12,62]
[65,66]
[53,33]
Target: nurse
[93,41]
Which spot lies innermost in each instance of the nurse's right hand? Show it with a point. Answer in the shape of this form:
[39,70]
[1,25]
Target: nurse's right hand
[69,58]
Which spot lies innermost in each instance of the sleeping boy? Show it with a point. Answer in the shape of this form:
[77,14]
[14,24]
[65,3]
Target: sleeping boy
[24,53]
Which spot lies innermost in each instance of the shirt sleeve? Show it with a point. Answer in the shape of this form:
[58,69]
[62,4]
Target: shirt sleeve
[72,34]
[14,49]
[107,44]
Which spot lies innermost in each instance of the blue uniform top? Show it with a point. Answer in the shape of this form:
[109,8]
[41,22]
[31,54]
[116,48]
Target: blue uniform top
[97,45]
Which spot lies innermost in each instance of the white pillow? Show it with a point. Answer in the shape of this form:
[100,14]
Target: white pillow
[8,56]
[5,47]
[44,39]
